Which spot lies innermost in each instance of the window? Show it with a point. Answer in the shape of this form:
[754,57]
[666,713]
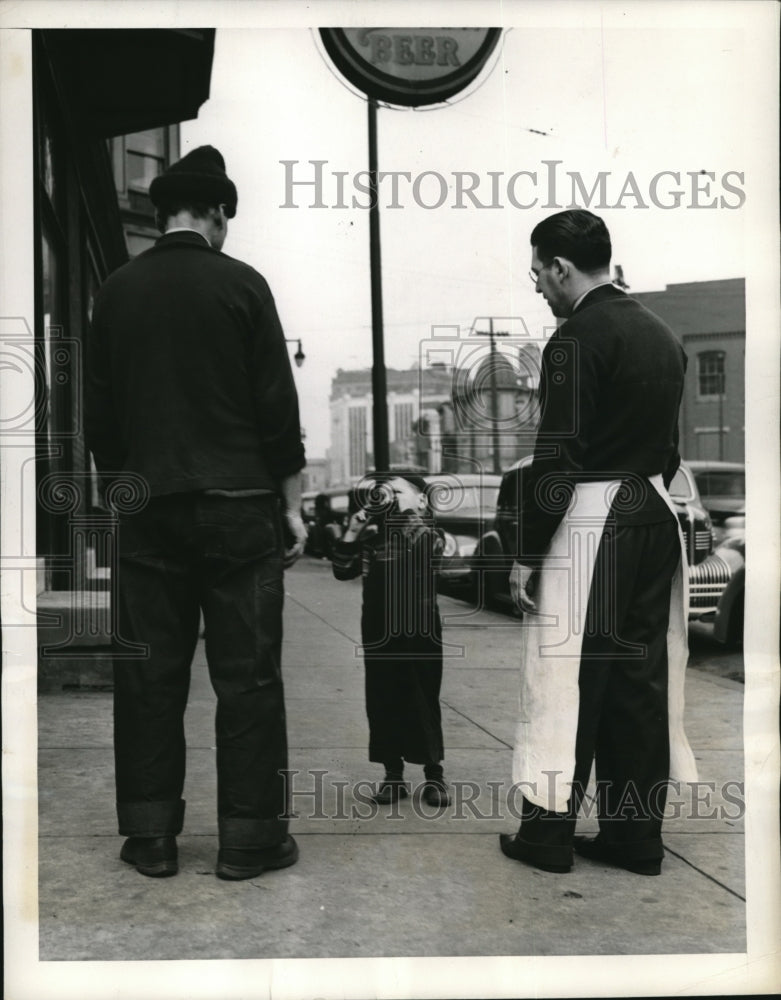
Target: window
[710,374]
[145,157]
[402,421]
[139,158]
[357,435]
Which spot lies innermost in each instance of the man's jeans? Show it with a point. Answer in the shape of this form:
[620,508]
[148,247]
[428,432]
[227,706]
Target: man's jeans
[179,554]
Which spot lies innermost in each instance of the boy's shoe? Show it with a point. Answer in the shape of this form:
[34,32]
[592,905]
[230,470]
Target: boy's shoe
[435,794]
[153,856]
[238,863]
[390,790]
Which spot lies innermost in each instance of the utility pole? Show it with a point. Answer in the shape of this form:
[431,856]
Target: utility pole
[495,448]
[379,376]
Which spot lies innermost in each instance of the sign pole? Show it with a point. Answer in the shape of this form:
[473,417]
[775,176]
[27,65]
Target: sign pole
[379,379]
[406,67]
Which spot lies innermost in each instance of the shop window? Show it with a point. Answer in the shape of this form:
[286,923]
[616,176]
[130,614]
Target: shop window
[139,158]
[53,313]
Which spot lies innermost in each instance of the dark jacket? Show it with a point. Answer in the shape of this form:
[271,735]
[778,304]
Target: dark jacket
[399,567]
[188,376]
[611,388]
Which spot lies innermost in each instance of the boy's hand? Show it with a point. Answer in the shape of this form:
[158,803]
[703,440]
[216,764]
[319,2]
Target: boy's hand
[359,527]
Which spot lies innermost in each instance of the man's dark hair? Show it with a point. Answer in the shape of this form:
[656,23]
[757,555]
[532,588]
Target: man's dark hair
[576,235]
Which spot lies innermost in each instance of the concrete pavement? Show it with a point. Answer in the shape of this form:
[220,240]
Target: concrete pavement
[396,882]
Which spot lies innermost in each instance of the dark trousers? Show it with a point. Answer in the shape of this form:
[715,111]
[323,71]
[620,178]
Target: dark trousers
[402,706]
[622,720]
[180,554]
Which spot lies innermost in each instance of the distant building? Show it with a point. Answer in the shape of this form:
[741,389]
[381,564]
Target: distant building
[492,417]
[709,318]
[441,418]
[409,393]
[315,476]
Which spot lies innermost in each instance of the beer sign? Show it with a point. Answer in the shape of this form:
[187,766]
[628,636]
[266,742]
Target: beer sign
[411,67]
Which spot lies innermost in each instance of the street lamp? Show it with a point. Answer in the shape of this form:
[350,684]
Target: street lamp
[299,356]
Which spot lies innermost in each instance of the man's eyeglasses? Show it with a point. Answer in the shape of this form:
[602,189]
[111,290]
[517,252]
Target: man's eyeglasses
[534,275]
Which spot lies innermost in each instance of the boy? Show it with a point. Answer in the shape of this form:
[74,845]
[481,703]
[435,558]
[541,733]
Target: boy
[392,542]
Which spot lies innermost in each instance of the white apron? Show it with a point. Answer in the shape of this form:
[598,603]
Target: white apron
[551,640]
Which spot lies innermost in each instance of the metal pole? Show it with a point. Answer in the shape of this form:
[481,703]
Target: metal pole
[494,402]
[379,380]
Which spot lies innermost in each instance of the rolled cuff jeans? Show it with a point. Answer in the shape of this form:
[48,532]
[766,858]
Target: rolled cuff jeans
[180,554]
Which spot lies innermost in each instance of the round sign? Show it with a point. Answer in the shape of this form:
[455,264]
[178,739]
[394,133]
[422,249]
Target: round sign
[410,66]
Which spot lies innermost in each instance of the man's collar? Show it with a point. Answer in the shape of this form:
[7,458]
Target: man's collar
[603,284]
[186,229]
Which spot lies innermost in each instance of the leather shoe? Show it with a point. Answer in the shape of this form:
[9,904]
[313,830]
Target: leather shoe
[520,850]
[390,791]
[153,856]
[597,849]
[236,863]
[435,794]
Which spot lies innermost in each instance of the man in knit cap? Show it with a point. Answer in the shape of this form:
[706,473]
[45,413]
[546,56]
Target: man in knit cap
[190,391]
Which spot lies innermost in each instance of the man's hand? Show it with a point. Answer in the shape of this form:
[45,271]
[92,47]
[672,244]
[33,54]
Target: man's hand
[523,583]
[295,537]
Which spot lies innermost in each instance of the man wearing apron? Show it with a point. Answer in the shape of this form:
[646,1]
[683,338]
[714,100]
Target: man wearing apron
[600,570]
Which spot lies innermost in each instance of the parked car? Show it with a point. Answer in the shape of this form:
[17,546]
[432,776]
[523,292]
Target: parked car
[308,508]
[492,560]
[463,505]
[325,516]
[728,619]
[722,488]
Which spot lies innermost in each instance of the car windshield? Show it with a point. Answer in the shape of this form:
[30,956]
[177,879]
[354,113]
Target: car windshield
[721,483]
[465,501]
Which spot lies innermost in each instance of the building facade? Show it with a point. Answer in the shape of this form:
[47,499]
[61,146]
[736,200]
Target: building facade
[709,318]
[101,99]
[314,477]
[410,393]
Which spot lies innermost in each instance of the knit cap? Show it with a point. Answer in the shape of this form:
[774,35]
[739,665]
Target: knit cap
[199,176]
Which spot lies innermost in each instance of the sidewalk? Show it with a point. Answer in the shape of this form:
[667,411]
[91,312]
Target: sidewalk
[397,883]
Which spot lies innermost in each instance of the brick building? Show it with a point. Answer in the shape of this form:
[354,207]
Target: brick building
[709,317]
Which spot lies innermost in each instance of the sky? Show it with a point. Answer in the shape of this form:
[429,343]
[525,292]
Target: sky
[625,96]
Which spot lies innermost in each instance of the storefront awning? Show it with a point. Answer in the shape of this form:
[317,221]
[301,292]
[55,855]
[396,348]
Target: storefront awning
[119,80]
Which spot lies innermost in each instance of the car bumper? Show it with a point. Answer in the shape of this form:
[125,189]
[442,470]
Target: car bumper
[707,582]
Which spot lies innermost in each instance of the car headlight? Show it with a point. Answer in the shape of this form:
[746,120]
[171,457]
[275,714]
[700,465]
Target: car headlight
[466,546]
